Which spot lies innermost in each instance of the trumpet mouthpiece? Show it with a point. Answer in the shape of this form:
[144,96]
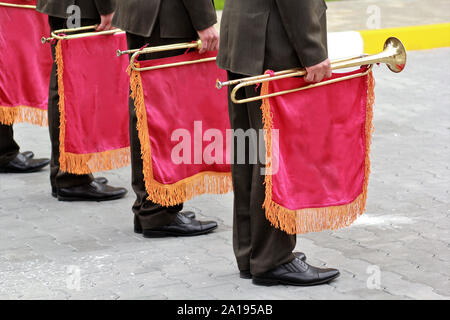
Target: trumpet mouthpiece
[119,53]
[219,84]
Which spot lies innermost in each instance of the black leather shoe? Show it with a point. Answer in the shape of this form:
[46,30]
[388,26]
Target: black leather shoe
[101,180]
[189,214]
[93,191]
[296,273]
[138,227]
[22,164]
[245,274]
[182,226]
[28,154]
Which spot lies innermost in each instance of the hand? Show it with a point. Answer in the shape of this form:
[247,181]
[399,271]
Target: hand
[319,72]
[210,39]
[105,22]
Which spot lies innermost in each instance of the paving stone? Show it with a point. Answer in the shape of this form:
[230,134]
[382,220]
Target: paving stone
[404,233]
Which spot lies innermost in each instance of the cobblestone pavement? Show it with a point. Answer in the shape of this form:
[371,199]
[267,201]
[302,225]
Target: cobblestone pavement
[45,245]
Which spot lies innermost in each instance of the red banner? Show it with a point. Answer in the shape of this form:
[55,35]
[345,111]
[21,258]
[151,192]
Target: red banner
[25,65]
[320,163]
[182,124]
[94,89]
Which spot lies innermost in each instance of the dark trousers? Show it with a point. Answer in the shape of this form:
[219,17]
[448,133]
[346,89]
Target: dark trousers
[258,246]
[149,213]
[8,147]
[58,178]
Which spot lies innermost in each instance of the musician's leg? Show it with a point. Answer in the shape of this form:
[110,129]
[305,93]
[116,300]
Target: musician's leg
[258,246]
[242,180]
[13,161]
[67,186]
[147,213]
[8,147]
[58,178]
[271,247]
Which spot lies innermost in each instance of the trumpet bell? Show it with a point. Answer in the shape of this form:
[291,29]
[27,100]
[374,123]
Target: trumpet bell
[397,61]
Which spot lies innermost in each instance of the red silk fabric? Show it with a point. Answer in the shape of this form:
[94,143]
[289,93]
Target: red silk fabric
[96,92]
[322,144]
[175,98]
[25,63]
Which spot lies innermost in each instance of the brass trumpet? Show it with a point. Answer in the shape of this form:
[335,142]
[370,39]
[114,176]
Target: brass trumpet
[393,55]
[75,33]
[22,6]
[178,46]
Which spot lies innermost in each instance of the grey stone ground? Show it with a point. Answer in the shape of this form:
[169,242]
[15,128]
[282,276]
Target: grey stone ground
[405,232]
[352,14]
[348,15]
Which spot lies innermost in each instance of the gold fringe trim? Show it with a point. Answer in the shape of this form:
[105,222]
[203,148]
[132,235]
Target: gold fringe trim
[94,162]
[83,163]
[18,114]
[186,189]
[62,110]
[315,219]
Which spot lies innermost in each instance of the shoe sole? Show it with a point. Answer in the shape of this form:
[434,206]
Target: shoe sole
[21,171]
[138,228]
[272,282]
[164,234]
[55,194]
[73,199]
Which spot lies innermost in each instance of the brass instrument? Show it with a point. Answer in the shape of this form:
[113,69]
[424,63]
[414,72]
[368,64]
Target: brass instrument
[393,55]
[67,34]
[187,45]
[22,6]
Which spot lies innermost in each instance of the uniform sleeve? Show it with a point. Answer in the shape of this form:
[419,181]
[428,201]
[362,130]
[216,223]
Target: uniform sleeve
[202,12]
[305,24]
[105,6]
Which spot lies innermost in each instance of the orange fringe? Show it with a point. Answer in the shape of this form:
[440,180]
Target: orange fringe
[18,114]
[83,163]
[94,162]
[315,219]
[186,189]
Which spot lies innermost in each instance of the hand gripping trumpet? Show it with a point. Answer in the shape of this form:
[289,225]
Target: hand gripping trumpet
[393,55]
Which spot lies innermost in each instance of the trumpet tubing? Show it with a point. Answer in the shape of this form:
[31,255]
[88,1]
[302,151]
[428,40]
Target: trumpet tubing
[22,6]
[393,55]
[64,34]
[178,46]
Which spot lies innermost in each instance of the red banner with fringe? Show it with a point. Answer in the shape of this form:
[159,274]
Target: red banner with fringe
[25,65]
[320,164]
[93,88]
[182,124]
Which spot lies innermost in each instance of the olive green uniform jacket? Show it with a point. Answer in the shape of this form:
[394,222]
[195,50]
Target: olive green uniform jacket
[257,35]
[89,8]
[177,18]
